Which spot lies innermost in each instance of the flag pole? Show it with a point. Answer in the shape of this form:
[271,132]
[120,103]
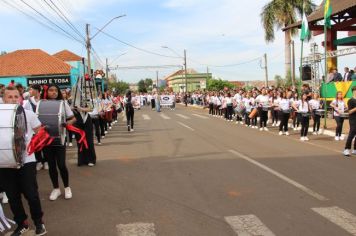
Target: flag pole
[326,69]
[301,66]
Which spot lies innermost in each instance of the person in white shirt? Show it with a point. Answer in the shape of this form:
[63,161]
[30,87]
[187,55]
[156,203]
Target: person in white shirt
[296,116]
[274,100]
[229,107]
[210,99]
[304,110]
[315,105]
[263,105]
[339,107]
[248,104]
[31,105]
[23,181]
[284,106]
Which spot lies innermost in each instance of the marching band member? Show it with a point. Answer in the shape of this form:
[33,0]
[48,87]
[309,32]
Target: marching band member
[94,114]
[108,111]
[31,104]
[56,153]
[351,104]
[274,100]
[263,104]
[304,111]
[229,107]
[296,116]
[129,110]
[339,107]
[253,106]
[247,102]
[284,107]
[315,105]
[211,103]
[219,99]
[23,181]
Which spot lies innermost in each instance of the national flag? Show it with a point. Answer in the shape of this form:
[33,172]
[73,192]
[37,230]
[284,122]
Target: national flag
[304,33]
[327,13]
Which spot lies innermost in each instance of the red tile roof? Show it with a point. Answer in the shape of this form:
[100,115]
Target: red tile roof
[66,55]
[31,62]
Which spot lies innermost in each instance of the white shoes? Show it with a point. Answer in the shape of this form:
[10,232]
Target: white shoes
[265,129]
[132,130]
[337,138]
[280,133]
[315,133]
[342,137]
[91,165]
[354,152]
[68,193]
[261,129]
[45,166]
[70,144]
[287,133]
[241,123]
[302,139]
[306,139]
[39,166]
[55,194]
[295,129]
[5,200]
[346,152]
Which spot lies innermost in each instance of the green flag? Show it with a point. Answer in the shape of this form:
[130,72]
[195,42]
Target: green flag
[304,33]
[327,13]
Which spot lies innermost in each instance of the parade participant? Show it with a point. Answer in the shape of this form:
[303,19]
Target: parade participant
[253,106]
[56,152]
[274,100]
[94,114]
[17,182]
[153,102]
[351,104]
[229,107]
[263,104]
[304,111]
[158,101]
[211,103]
[219,100]
[315,104]
[70,134]
[247,102]
[284,108]
[296,116]
[107,111]
[339,107]
[31,104]
[129,110]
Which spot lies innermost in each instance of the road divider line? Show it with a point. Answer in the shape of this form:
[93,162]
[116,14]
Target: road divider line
[340,217]
[248,225]
[138,229]
[183,116]
[200,116]
[186,126]
[146,117]
[281,176]
[165,117]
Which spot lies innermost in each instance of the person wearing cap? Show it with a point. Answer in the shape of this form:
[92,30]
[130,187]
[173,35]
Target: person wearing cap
[352,120]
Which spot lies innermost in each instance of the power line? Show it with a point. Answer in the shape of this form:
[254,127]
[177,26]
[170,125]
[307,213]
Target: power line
[137,48]
[39,13]
[35,19]
[65,19]
[229,65]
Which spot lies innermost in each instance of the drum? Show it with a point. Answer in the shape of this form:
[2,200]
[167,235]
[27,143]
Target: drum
[266,108]
[320,112]
[303,113]
[52,114]
[344,115]
[288,111]
[13,130]
[253,113]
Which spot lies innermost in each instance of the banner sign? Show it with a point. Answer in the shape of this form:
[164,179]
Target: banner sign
[167,100]
[60,81]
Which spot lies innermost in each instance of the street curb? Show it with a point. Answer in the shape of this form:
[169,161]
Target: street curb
[324,131]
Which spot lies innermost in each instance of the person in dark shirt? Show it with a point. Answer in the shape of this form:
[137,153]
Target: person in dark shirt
[352,119]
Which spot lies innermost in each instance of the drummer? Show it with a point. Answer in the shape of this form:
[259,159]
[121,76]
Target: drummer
[339,107]
[352,120]
[23,181]
[263,104]
[284,106]
[315,104]
[304,110]
[56,152]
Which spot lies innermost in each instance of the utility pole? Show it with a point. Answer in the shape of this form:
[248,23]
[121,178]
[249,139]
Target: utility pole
[266,70]
[88,46]
[157,80]
[293,69]
[185,70]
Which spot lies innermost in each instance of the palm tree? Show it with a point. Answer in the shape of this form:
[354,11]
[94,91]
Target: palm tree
[280,13]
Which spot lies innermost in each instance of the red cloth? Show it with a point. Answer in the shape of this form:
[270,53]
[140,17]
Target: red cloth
[39,141]
[82,141]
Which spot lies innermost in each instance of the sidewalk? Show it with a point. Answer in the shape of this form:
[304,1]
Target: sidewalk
[330,123]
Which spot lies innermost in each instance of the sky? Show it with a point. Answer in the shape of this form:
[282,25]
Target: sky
[214,33]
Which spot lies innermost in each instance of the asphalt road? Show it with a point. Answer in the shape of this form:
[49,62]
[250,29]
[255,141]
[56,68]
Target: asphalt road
[184,173]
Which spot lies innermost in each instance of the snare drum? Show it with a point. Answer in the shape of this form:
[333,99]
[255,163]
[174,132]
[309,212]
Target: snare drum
[320,112]
[253,113]
[266,108]
[303,113]
[13,130]
[52,114]
[344,115]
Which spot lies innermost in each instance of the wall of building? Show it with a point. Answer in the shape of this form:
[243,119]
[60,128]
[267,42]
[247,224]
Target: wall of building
[18,80]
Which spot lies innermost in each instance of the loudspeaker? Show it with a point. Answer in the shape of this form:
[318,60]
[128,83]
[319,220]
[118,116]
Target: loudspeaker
[306,73]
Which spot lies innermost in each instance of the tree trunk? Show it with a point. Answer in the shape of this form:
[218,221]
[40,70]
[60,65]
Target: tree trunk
[287,53]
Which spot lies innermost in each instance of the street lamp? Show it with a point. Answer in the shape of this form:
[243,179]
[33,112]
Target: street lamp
[185,63]
[107,63]
[88,44]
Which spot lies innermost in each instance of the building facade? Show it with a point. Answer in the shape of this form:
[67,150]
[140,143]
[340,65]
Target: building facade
[177,81]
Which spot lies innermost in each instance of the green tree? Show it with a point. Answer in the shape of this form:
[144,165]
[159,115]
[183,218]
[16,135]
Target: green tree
[280,82]
[279,14]
[119,86]
[218,84]
[145,85]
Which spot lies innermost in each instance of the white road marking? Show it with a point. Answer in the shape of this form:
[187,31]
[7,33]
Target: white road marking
[248,225]
[165,117]
[146,117]
[183,116]
[200,116]
[186,126]
[340,217]
[136,229]
[281,176]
